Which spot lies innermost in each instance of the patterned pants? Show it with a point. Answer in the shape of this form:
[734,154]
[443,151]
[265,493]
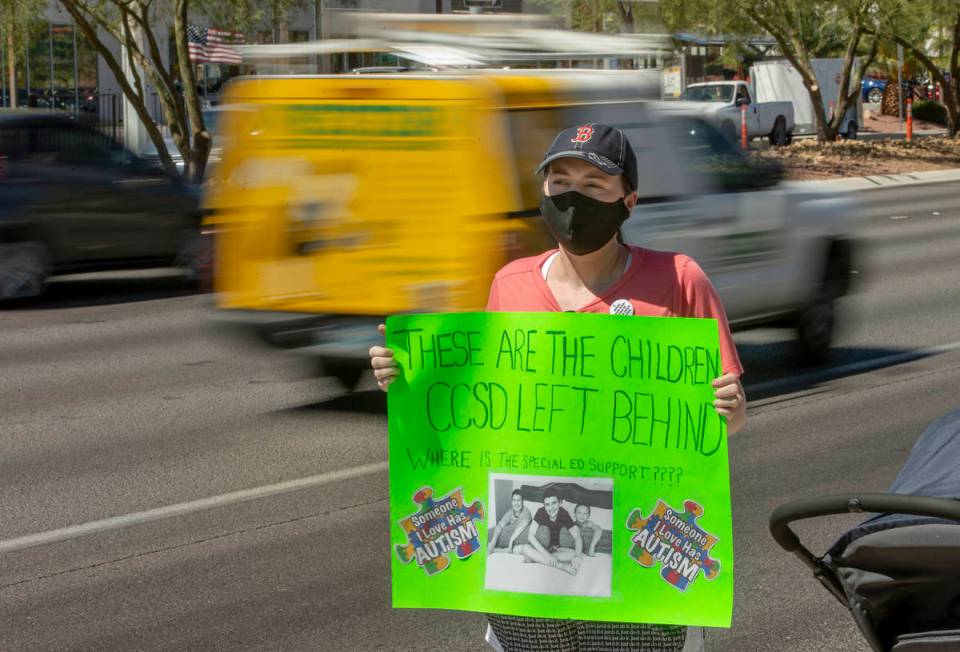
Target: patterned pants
[520,634]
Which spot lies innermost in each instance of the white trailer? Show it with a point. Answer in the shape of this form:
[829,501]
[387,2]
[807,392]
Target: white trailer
[780,81]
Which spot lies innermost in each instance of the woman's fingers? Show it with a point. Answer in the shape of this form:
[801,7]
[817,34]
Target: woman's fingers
[381,362]
[384,372]
[731,402]
[385,376]
[727,391]
[725,379]
[380,352]
[728,395]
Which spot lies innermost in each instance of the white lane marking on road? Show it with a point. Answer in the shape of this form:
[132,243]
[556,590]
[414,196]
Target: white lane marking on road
[854,367]
[136,518]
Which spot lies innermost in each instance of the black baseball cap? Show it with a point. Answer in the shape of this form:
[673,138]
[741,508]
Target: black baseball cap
[603,146]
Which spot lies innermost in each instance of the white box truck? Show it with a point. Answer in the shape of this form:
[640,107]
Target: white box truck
[779,81]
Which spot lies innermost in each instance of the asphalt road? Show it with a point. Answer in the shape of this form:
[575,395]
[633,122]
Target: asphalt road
[119,398]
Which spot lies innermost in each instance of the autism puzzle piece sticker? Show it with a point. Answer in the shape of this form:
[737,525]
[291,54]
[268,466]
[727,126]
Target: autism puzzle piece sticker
[676,541]
[439,528]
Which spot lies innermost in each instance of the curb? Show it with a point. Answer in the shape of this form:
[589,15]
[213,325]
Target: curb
[890,194]
[898,135]
[869,136]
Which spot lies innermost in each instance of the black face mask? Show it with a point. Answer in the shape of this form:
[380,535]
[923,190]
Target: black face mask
[581,224]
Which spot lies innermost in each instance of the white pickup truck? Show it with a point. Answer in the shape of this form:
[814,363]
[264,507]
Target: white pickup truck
[719,104]
[779,253]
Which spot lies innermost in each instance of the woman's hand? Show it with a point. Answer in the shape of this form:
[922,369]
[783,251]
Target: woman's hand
[383,363]
[730,401]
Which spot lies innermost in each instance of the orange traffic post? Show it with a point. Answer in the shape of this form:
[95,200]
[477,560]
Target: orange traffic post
[743,127]
[909,119]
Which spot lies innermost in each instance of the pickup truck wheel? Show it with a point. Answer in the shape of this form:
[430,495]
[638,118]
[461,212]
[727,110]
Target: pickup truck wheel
[875,96]
[778,137]
[24,269]
[349,375]
[816,323]
[815,327]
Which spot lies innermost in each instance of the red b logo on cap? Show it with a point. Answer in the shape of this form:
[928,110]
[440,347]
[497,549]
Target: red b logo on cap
[584,134]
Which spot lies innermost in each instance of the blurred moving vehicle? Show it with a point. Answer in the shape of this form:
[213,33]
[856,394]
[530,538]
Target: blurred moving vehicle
[779,254]
[340,200]
[72,200]
[719,103]
[779,80]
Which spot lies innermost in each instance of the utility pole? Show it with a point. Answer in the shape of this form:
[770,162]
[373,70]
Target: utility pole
[51,88]
[322,61]
[3,76]
[76,75]
[900,99]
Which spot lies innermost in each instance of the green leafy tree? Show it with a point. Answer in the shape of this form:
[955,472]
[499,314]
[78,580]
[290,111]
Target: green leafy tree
[929,31]
[616,16]
[803,30]
[135,24]
[16,18]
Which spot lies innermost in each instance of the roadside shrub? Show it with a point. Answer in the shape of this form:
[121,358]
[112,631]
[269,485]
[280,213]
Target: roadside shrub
[930,111]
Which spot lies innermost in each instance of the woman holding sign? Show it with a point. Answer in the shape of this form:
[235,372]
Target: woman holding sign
[590,181]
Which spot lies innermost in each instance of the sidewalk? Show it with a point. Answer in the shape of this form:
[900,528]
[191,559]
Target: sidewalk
[899,135]
[885,135]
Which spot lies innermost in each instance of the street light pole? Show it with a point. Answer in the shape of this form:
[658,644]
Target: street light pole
[50,33]
[3,75]
[26,65]
[76,76]
[322,59]
[900,84]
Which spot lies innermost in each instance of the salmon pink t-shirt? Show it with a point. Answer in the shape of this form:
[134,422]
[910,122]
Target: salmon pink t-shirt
[656,284]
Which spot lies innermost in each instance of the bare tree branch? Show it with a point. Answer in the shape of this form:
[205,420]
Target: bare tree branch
[166,89]
[201,138]
[88,29]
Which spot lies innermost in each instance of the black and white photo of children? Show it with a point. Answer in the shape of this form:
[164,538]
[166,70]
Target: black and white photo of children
[550,535]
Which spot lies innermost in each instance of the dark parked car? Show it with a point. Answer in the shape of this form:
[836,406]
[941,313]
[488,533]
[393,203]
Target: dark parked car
[72,200]
[872,90]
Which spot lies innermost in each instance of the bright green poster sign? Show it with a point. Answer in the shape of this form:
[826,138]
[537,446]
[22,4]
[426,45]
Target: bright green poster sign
[560,465]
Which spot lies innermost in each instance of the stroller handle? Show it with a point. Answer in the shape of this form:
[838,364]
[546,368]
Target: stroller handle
[783,516]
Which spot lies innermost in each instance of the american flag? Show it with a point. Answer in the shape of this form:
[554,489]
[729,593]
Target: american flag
[213,45]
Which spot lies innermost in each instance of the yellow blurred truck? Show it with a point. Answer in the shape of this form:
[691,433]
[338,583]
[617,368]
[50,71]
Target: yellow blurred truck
[343,199]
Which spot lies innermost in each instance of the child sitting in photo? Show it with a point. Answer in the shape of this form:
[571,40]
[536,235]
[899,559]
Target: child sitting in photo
[589,532]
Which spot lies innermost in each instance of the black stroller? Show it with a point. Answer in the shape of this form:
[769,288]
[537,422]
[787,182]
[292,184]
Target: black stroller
[898,572]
